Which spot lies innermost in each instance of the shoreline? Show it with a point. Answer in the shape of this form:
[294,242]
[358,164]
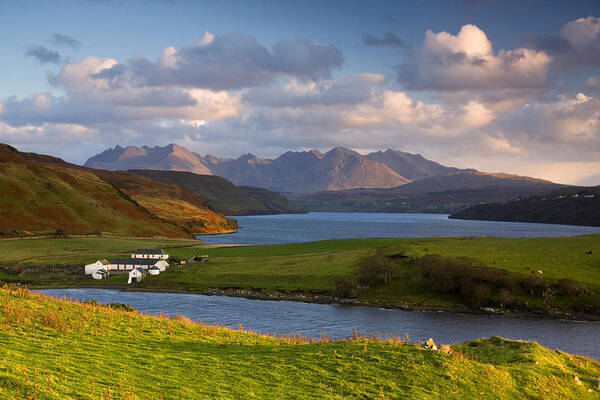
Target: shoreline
[326,299]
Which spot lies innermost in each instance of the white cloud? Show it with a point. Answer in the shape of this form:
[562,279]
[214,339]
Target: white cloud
[466,61]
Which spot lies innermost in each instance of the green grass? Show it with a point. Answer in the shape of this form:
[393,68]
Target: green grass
[314,267]
[53,349]
[49,251]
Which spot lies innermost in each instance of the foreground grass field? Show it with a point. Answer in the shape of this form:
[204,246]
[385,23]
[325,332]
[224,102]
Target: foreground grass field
[316,267]
[55,349]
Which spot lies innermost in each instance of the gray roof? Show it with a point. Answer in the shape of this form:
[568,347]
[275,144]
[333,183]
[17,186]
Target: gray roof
[142,270]
[149,251]
[134,261]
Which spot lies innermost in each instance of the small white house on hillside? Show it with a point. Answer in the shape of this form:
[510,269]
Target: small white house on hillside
[128,264]
[136,275]
[98,265]
[158,254]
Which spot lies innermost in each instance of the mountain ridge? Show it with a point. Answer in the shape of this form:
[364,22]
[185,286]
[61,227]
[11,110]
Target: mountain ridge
[291,172]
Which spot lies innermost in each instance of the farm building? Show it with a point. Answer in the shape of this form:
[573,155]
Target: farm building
[136,275]
[98,265]
[158,254]
[127,264]
[100,274]
[154,270]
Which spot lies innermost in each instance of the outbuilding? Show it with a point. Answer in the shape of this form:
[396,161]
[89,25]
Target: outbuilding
[136,275]
[100,274]
[89,269]
[157,254]
[128,264]
[154,270]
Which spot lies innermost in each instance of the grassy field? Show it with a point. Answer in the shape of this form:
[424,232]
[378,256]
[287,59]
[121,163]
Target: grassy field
[53,349]
[82,250]
[315,267]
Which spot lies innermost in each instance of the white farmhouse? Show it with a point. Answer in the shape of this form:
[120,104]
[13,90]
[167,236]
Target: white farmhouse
[97,266]
[136,275]
[158,254]
[128,264]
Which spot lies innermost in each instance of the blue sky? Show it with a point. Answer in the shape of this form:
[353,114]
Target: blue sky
[515,91]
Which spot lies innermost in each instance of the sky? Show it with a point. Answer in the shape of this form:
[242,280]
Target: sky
[494,85]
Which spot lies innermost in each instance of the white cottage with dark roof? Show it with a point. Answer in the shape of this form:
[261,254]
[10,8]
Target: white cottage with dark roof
[158,254]
[136,275]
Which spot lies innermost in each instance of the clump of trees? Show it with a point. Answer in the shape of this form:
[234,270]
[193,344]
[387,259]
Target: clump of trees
[478,285]
[377,269]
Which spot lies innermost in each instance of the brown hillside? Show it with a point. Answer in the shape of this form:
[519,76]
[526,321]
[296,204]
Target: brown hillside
[44,195]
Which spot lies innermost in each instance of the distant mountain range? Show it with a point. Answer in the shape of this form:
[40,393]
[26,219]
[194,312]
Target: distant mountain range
[338,180]
[572,206]
[295,172]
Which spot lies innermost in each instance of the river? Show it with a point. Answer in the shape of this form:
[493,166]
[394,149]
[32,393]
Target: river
[290,228]
[286,317]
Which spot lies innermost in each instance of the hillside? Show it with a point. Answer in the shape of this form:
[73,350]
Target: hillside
[223,196]
[44,195]
[438,194]
[571,206]
[58,349]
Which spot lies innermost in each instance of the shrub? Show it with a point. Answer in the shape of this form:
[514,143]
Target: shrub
[121,306]
[567,287]
[375,269]
[534,285]
[344,287]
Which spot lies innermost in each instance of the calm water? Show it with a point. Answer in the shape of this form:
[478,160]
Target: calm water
[286,317]
[289,228]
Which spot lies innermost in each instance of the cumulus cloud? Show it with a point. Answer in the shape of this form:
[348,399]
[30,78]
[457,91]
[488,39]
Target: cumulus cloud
[230,62]
[389,39]
[466,61]
[577,43]
[66,41]
[43,55]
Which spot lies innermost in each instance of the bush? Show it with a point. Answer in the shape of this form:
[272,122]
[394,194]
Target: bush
[375,269]
[534,285]
[567,287]
[344,287]
[122,306]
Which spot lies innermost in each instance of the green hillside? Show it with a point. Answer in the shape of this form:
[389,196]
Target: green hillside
[56,349]
[225,197]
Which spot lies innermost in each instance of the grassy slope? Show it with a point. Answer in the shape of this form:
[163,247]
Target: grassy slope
[52,251]
[38,199]
[171,202]
[52,349]
[41,194]
[224,196]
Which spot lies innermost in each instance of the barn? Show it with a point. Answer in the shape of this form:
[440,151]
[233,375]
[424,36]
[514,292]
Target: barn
[90,269]
[157,254]
[128,264]
[136,275]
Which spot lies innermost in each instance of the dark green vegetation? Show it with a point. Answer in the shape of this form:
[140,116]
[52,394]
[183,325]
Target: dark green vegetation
[224,197]
[43,195]
[55,349]
[447,193]
[546,275]
[572,206]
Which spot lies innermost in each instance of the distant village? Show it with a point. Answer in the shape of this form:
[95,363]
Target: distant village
[141,263]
